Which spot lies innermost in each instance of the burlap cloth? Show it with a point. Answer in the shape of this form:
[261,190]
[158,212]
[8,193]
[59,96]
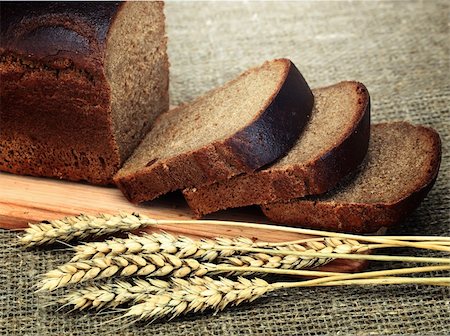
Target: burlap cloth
[398,49]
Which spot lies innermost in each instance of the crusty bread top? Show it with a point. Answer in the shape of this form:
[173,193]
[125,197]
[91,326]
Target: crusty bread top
[58,34]
[215,116]
[401,160]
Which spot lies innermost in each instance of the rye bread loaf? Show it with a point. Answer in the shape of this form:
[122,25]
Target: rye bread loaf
[80,83]
[239,127]
[333,143]
[401,166]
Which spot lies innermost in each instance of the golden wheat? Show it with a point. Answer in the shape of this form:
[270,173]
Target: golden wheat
[199,294]
[180,246]
[111,295]
[79,227]
[206,250]
[156,265]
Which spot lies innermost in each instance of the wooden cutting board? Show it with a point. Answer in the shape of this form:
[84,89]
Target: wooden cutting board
[25,199]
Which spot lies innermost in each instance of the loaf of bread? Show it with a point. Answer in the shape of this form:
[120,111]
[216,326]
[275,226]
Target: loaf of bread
[401,166]
[81,83]
[333,143]
[237,128]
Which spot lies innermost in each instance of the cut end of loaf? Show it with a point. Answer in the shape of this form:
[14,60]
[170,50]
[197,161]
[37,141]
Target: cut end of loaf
[137,68]
[79,92]
[228,131]
[400,168]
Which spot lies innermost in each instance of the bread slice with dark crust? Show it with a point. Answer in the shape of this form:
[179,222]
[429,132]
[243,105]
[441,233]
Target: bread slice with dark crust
[237,128]
[333,143]
[401,166]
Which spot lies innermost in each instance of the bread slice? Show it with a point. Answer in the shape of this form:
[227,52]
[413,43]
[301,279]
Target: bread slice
[81,83]
[333,143]
[239,127]
[401,166]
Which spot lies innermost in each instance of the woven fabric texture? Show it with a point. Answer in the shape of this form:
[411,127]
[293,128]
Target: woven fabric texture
[399,50]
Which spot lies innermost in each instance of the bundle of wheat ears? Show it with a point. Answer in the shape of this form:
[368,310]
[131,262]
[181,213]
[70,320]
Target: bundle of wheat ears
[160,275]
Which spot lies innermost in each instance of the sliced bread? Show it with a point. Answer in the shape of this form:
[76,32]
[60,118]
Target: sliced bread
[333,143]
[237,128]
[401,166]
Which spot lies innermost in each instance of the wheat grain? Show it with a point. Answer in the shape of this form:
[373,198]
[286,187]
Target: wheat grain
[157,264]
[78,227]
[111,295]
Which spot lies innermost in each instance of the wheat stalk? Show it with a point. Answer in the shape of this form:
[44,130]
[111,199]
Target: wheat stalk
[152,265]
[272,258]
[199,294]
[204,250]
[316,254]
[374,239]
[111,295]
[157,265]
[79,227]
[302,254]
[141,256]
[114,294]
[133,256]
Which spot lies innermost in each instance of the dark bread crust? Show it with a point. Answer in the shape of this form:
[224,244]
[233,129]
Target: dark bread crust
[44,132]
[59,34]
[358,217]
[317,176]
[271,133]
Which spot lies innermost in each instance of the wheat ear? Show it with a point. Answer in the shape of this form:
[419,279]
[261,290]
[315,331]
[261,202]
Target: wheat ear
[180,246]
[79,227]
[158,264]
[199,294]
[356,256]
[242,251]
[205,250]
[178,265]
[111,295]
[267,259]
